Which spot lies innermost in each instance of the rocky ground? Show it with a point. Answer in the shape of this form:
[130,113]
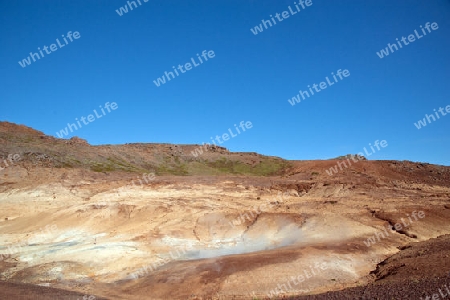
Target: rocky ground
[418,271]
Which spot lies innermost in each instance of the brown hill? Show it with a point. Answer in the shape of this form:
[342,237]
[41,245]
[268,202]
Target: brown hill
[38,149]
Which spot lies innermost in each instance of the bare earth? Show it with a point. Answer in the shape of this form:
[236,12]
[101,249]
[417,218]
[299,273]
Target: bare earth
[89,232]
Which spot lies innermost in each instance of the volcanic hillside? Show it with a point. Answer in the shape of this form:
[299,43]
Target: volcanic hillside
[155,221]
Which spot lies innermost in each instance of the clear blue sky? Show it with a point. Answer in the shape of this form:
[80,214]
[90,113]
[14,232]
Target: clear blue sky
[250,78]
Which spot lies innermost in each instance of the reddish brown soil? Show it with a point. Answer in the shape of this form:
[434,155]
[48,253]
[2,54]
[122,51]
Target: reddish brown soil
[419,270]
[20,291]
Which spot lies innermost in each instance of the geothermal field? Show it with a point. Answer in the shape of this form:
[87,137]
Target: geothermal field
[151,221]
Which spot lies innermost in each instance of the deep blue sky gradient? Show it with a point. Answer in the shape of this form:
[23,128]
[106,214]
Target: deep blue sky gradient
[250,78]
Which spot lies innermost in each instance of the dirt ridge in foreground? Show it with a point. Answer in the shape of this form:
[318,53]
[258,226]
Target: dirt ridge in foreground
[419,270]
